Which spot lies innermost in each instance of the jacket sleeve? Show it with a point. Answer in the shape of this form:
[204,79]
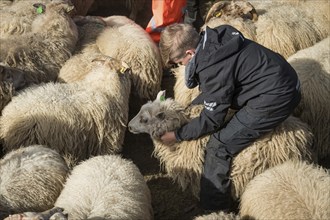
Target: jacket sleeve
[216,96]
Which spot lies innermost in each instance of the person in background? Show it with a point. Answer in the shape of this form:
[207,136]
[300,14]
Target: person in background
[166,12]
[231,72]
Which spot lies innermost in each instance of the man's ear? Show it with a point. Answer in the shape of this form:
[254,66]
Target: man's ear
[190,52]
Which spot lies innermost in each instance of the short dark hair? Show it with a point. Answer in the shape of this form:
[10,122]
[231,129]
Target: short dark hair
[175,40]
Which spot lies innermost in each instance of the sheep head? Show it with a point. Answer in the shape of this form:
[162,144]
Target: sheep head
[158,116]
[12,76]
[231,9]
[64,6]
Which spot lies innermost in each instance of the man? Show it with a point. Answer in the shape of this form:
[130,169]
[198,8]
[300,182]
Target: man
[234,72]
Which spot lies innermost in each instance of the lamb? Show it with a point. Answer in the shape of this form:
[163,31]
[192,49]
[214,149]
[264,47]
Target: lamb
[292,190]
[31,179]
[106,187]
[42,52]
[290,140]
[119,40]
[78,120]
[313,68]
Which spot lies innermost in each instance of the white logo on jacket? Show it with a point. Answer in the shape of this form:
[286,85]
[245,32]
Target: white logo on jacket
[210,105]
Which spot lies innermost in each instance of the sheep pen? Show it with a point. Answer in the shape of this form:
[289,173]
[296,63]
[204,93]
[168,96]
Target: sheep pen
[106,187]
[31,179]
[77,119]
[183,162]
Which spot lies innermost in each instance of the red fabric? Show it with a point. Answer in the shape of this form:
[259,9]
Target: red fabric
[165,12]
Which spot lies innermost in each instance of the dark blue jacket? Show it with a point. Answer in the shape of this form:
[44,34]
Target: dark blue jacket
[232,71]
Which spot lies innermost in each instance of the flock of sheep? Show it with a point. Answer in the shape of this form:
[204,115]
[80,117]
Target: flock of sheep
[68,86]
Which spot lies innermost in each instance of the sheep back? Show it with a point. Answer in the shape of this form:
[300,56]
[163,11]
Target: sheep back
[313,68]
[31,179]
[292,190]
[127,41]
[106,187]
[80,119]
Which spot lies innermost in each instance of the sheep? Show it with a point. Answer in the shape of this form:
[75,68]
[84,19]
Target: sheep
[17,17]
[43,51]
[106,187]
[119,40]
[264,29]
[313,68]
[77,119]
[292,190]
[234,14]
[290,140]
[31,179]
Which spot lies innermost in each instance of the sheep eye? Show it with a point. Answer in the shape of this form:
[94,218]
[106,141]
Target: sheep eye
[143,120]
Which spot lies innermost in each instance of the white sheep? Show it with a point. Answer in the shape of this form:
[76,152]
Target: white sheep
[77,119]
[43,51]
[119,40]
[17,17]
[313,68]
[31,179]
[273,23]
[290,140]
[106,187]
[292,190]
[239,14]
[127,41]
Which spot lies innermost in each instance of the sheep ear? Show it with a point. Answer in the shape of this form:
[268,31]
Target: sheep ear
[160,115]
[161,95]
[41,8]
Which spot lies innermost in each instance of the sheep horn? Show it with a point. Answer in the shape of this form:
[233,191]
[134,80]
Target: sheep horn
[215,10]
[253,12]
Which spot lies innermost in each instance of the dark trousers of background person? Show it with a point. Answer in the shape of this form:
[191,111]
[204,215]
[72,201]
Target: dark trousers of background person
[242,130]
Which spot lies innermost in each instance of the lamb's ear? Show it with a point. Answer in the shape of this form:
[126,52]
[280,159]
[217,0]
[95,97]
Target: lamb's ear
[161,95]
[160,115]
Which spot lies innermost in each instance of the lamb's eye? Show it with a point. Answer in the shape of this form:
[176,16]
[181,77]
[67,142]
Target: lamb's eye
[143,120]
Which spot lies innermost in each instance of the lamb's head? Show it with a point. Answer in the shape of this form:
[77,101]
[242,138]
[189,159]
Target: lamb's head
[232,9]
[158,116]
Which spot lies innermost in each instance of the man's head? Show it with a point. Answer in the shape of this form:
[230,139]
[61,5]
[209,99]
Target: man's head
[178,43]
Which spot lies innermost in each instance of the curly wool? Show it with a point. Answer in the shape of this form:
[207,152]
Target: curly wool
[79,119]
[31,179]
[106,187]
[313,68]
[43,51]
[292,190]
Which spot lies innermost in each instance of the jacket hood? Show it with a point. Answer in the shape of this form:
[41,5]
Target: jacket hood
[219,43]
[215,45]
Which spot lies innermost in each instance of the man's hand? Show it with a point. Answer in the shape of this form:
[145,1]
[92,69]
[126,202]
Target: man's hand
[168,138]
